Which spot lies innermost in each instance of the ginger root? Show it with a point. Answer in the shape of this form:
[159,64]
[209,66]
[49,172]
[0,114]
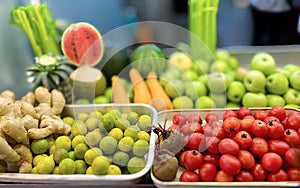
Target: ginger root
[8,95]
[25,163]
[28,109]
[7,153]
[15,129]
[57,102]
[29,122]
[49,125]
[6,107]
[29,97]
[42,95]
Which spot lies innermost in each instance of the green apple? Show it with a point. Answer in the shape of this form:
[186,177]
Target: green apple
[233,63]
[233,105]
[263,62]
[174,88]
[204,102]
[254,81]
[277,83]
[222,54]
[292,106]
[195,89]
[181,60]
[217,82]
[291,67]
[294,79]
[283,71]
[236,91]
[219,66]
[200,67]
[220,100]
[183,102]
[292,96]
[203,79]
[240,73]
[189,75]
[251,99]
[275,100]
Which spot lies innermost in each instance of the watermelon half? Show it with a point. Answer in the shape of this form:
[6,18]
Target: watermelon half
[82,44]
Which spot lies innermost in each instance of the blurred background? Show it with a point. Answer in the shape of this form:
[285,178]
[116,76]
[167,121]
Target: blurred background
[234,25]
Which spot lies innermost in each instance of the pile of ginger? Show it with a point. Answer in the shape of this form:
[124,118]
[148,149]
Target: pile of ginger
[35,116]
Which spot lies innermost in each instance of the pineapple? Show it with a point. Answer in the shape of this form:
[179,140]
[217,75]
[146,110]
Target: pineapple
[52,72]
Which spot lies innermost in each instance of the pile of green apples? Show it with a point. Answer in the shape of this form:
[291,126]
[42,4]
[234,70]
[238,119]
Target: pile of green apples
[224,83]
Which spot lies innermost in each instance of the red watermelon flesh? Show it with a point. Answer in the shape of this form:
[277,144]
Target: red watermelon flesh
[82,44]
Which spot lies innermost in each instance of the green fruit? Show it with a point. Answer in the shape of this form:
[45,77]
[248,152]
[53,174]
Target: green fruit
[82,116]
[120,158]
[220,100]
[254,100]
[79,128]
[77,140]
[101,99]
[132,131]
[96,114]
[195,90]
[114,170]
[135,164]
[71,155]
[82,101]
[51,141]
[174,88]
[100,165]
[235,91]
[125,144]
[115,112]
[92,123]
[122,123]
[233,105]
[117,133]
[294,80]
[217,82]
[63,142]
[60,154]
[108,145]
[91,154]
[132,117]
[39,146]
[182,102]
[108,121]
[68,120]
[219,66]
[240,74]
[277,84]
[204,102]
[143,135]
[275,100]
[144,122]
[55,170]
[80,150]
[263,62]
[45,165]
[254,81]
[93,138]
[80,167]
[140,148]
[148,57]
[67,166]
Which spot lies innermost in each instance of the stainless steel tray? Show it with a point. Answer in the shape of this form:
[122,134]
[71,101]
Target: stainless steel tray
[82,179]
[168,114]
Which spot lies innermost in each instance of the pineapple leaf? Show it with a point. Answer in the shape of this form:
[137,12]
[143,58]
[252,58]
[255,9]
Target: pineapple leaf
[44,80]
[37,81]
[55,79]
[65,68]
[62,74]
[33,68]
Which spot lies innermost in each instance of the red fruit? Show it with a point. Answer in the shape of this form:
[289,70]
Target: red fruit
[278,146]
[211,158]
[196,139]
[243,111]
[259,128]
[82,44]
[258,172]
[244,176]
[231,125]
[230,164]
[276,176]
[207,172]
[207,130]
[276,130]
[294,174]
[243,139]
[228,146]
[179,119]
[271,162]
[189,176]
[212,144]
[246,124]
[197,127]
[293,121]
[194,118]
[260,114]
[270,119]
[259,147]
[181,158]
[218,132]
[174,127]
[278,111]
[291,137]
[222,176]
[186,129]
[211,117]
[246,158]
[229,113]
[292,156]
[193,159]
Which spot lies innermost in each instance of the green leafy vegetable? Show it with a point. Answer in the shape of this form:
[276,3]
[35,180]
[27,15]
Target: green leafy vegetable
[37,23]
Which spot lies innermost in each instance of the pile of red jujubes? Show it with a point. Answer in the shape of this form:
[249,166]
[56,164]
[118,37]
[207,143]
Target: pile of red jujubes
[244,145]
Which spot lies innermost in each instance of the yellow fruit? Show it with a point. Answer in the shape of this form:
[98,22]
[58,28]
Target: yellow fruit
[125,144]
[100,165]
[114,170]
[68,120]
[77,140]
[91,154]
[117,133]
[45,165]
[67,166]
[143,135]
[89,170]
[132,131]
